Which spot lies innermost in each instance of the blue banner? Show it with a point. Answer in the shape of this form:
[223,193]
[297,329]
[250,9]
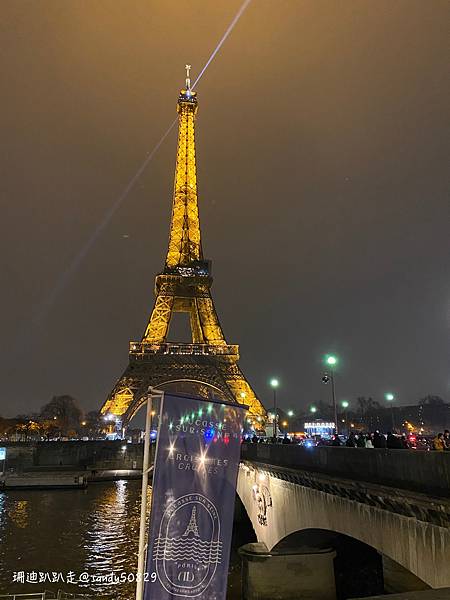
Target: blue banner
[193,494]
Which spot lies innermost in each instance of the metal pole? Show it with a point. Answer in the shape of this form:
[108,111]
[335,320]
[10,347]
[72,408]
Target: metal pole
[333,391]
[392,415]
[151,429]
[141,550]
[275,424]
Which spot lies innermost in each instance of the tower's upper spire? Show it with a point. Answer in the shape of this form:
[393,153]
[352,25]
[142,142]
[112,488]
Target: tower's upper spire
[188,79]
[184,240]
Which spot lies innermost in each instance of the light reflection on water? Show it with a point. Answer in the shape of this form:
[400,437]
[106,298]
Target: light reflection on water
[60,531]
[92,531]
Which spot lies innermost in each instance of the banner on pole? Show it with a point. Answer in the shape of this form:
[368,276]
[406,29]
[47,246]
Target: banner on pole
[193,493]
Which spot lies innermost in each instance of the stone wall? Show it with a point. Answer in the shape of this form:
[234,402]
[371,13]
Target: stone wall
[19,455]
[424,472]
[95,454]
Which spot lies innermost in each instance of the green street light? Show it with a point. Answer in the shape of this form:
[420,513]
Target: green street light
[390,398]
[344,404]
[313,409]
[290,413]
[332,361]
[274,383]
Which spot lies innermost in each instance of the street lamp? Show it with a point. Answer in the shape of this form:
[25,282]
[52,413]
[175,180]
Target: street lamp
[390,398]
[332,362]
[313,409]
[344,404]
[274,383]
[290,413]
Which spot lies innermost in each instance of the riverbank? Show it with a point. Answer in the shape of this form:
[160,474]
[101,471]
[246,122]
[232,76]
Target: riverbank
[69,464]
[63,478]
[89,455]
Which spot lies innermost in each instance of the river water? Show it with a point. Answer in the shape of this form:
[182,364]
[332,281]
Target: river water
[90,533]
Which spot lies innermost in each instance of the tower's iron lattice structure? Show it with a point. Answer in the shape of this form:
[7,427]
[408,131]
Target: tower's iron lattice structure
[207,367]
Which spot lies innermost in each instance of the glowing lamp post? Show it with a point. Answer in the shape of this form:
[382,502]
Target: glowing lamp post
[344,404]
[331,361]
[313,409]
[390,398]
[274,383]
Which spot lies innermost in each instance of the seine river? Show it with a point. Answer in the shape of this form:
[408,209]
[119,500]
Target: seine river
[91,533]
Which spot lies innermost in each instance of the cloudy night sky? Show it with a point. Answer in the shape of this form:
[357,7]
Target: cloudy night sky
[322,150]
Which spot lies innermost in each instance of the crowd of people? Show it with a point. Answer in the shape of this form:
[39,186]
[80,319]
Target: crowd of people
[440,443]
[395,442]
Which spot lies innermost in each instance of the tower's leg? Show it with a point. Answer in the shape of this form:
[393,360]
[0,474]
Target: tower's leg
[209,321]
[158,325]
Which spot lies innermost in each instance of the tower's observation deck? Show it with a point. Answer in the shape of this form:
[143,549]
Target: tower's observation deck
[207,366]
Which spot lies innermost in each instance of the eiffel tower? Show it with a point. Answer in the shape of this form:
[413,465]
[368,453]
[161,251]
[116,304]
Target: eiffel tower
[192,525]
[207,367]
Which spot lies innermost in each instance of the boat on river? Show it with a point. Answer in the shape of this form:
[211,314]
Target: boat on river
[42,481]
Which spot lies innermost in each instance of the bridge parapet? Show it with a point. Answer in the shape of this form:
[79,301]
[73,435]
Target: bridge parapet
[416,471]
[395,501]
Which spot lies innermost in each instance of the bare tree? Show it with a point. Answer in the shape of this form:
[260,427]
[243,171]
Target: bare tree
[65,413]
[432,400]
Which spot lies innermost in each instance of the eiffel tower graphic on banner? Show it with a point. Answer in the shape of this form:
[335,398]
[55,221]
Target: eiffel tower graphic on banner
[207,367]
[192,525]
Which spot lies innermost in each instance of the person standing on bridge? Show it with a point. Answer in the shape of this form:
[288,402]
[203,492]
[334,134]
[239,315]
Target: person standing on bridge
[379,441]
[438,443]
[393,442]
[447,440]
[351,440]
[360,441]
[369,443]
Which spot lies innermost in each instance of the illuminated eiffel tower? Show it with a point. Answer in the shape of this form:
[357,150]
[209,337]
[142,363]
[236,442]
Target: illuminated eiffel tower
[207,367]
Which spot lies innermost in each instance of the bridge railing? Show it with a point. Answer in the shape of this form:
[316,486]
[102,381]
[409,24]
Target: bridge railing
[424,472]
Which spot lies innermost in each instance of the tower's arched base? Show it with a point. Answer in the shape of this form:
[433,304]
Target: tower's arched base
[206,376]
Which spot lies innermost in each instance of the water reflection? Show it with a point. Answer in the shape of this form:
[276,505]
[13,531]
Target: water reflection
[92,531]
[112,531]
[18,513]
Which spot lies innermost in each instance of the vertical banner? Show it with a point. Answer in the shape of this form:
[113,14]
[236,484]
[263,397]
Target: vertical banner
[193,494]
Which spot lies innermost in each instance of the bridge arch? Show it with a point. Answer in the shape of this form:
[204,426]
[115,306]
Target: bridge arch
[279,508]
[359,568]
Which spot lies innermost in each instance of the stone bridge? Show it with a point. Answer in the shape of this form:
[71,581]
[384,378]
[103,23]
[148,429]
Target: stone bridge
[344,513]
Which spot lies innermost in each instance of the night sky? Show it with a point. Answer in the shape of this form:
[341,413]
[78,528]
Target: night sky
[322,147]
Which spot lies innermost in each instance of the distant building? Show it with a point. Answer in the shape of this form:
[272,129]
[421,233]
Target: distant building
[324,429]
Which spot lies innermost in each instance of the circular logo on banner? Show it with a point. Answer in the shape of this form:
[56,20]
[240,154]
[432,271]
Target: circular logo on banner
[188,548]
